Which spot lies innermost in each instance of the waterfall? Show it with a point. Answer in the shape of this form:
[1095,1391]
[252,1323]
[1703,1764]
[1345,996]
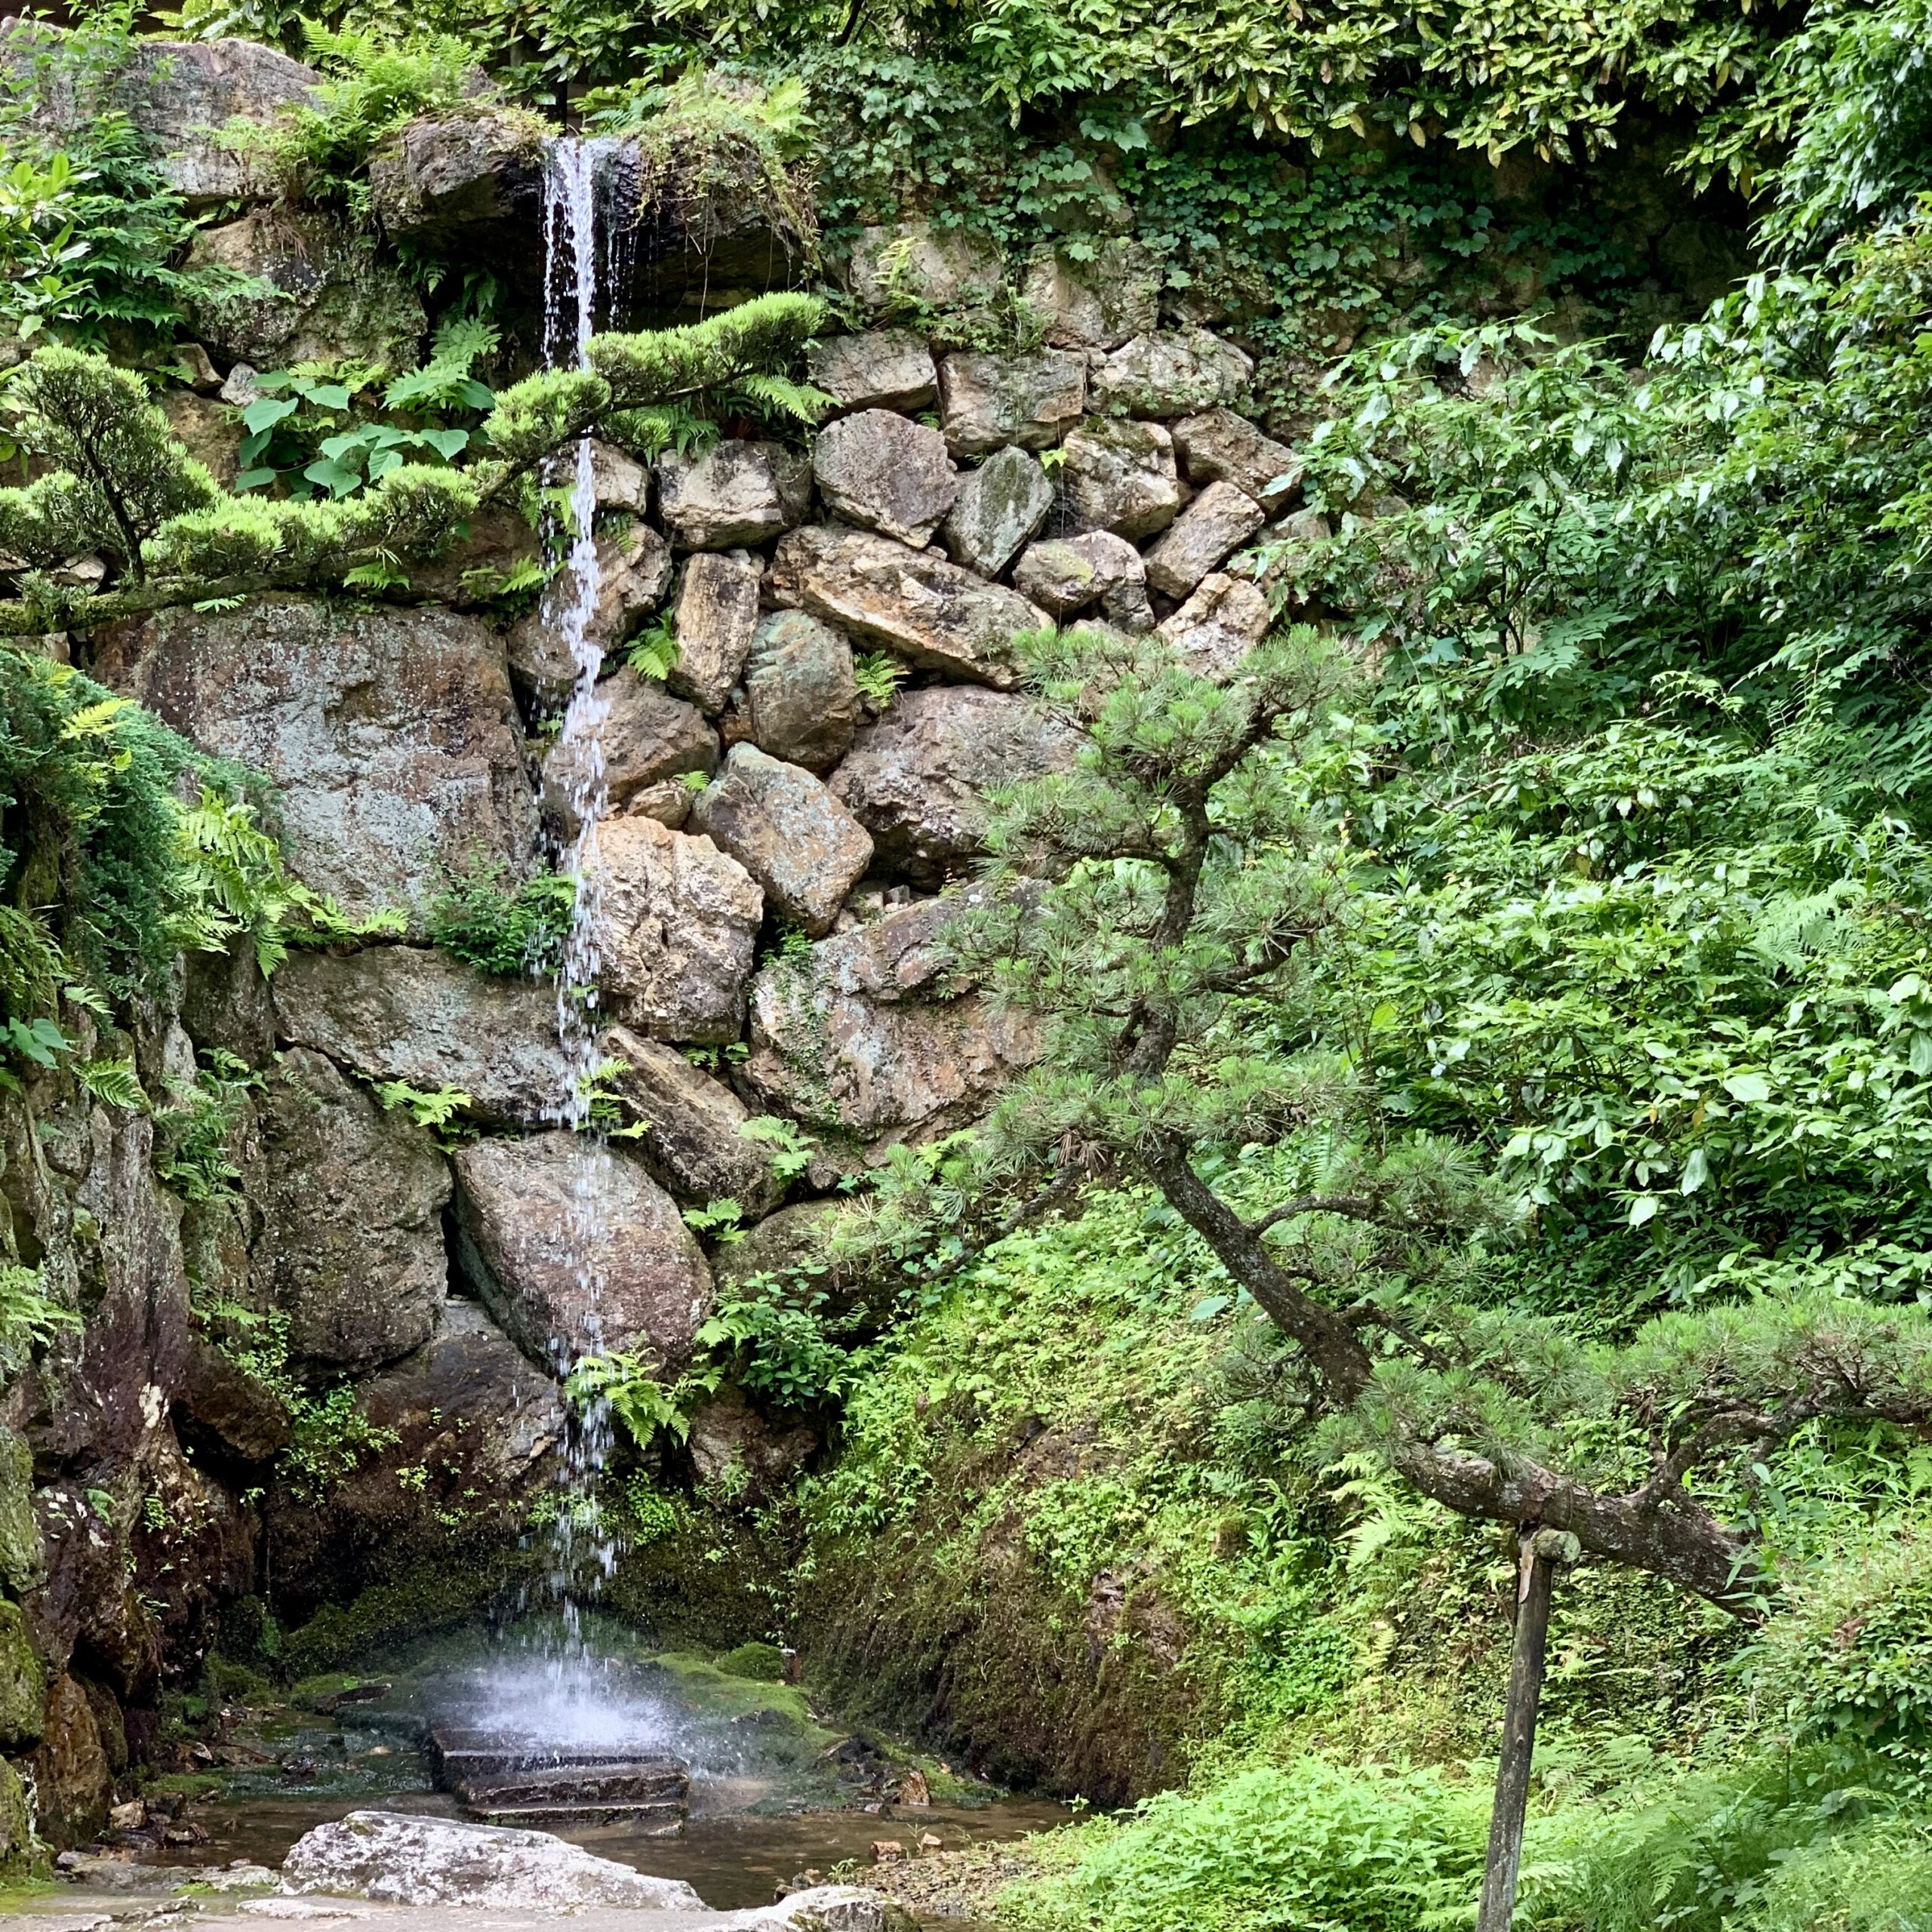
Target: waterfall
[584,1552]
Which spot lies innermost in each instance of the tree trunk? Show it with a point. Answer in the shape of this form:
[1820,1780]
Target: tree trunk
[1542,1550]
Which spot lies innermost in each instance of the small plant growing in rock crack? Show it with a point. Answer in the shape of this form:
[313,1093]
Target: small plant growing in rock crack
[878,675]
[192,1135]
[436,1111]
[721,1221]
[791,1153]
[653,653]
[28,1318]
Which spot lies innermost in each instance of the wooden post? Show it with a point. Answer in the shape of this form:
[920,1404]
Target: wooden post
[1543,1550]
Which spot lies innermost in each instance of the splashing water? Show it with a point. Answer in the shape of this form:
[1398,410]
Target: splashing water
[583,1551]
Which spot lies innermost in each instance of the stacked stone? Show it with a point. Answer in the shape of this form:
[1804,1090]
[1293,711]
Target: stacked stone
[952,501]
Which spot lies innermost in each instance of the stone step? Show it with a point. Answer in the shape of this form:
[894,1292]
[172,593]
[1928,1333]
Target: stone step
[522,1781]
[561,1784]
[656,1820]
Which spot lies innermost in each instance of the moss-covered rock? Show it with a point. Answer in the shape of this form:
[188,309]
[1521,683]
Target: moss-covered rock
[23,1684]
[434,1596]
[22,1554]
[18,1846]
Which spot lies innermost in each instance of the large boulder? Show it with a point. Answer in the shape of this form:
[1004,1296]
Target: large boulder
[1217,628]
[317,293]
[633,572]
[1119,475]
[1218,446]
[1175,374]
[931,613]
[677,920]
[882,369]
[986,401]
[790,833]
[469,177]
[1066,575]
[917,780]
[401,1859]
[736,494]
[715,619]
[1001,506]
[408,1013]
[692,1123]
[352,1202]
[1212,528]
[877,469]
[864,1043]
[1096,304]
[392,734]
[913,263]
[647,738]
[73,1781]
[180,93]
[801,691]
[577,1251]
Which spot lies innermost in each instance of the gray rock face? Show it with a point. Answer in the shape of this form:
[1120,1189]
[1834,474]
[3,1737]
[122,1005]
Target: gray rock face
[1217,628]
[330,299]
[931,613]
[451,177]
[401,1859]
[715,618]
[390,732]
[1119,475]
[693,1142]
[1097,304]
[410,1013]
[619,482]
[914,261]
[737,493]
[1206,533]
[634,572]
[1218,446]
[647,738]
[801,690]
[352,1249]
[878,470]
[534,1216]
[988,401]
[736,1452]
[863,1043]
[1069,574]
[1002,505]
[179,93]
[917,780]
[882,369]
[787,832]
[1177,374]
[677,921]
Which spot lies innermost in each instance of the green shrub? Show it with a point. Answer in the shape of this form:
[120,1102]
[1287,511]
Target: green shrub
[763,1663]
[1311,1847]
[1786,1843]
[1851,1658]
